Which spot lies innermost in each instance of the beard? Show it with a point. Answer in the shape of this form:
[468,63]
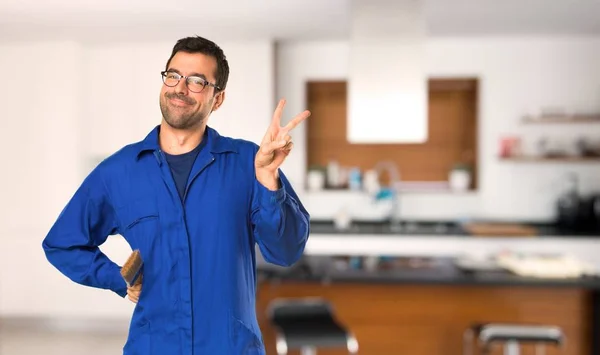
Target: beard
[182,117]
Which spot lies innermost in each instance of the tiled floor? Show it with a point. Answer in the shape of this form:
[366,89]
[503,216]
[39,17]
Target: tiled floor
[37,342]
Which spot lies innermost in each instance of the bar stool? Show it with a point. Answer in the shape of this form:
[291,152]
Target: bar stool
[511,336]
[307,324]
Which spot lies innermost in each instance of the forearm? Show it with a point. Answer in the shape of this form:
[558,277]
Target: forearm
[85,265]
[281,224]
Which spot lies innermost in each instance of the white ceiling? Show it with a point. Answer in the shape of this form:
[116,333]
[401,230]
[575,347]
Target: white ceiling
[281,19]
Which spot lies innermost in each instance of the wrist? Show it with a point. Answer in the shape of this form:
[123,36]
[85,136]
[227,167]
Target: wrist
[269,180]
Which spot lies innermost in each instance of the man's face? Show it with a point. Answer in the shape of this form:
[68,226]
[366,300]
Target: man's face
[182,108]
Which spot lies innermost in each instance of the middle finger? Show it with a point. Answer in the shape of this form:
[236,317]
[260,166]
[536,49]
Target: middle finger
[296,121]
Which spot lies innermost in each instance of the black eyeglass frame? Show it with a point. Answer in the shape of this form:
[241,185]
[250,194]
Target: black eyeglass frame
[164,73]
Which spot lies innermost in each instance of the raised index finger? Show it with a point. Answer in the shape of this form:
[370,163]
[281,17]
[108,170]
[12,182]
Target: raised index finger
[296,121]
[276,122]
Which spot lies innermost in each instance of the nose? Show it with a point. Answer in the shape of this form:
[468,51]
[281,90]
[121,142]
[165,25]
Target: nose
[181,87]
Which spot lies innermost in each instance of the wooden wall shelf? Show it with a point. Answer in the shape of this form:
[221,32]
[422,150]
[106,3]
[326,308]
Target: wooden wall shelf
[563,119]
[534,159]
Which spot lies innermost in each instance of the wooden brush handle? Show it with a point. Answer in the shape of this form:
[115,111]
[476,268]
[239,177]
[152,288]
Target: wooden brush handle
[138,281]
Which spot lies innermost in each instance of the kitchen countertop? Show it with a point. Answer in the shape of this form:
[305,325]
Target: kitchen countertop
[438,271]
[434,228]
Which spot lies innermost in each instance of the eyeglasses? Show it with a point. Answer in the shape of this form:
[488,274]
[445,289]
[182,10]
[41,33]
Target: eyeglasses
[194,83]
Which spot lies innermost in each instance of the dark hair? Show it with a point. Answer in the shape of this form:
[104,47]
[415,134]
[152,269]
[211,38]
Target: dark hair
[202,45]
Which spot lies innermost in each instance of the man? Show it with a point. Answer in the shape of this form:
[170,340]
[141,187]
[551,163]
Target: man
[194,204]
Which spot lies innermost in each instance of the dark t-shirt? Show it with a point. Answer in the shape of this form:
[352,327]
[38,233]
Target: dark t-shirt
[181,165]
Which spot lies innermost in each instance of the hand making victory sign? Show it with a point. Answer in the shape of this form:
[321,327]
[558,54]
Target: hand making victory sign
[275,147]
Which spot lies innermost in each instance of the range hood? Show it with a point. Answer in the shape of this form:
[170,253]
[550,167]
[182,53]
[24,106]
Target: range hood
[387,84]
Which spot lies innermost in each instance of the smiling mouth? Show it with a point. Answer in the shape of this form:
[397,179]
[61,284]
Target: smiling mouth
[178,102]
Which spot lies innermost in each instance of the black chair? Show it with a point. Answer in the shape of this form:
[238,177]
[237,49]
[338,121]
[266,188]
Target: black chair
[511,336]
[308,324]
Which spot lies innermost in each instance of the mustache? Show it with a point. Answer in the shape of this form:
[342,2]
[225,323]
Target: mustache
[186,99]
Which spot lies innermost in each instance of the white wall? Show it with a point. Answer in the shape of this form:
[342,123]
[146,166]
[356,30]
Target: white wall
[67,104]
[517,75]
[41,102]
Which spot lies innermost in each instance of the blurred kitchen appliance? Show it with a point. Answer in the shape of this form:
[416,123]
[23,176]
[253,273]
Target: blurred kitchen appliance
[569,204]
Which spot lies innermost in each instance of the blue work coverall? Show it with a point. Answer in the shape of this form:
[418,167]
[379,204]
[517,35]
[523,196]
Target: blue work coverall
[199,274]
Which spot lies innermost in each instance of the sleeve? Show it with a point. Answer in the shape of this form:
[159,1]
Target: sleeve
[72,244]
[280,222]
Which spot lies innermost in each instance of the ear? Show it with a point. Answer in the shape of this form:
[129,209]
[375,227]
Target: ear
[219,98]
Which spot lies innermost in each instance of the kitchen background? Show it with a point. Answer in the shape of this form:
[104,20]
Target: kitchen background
[81,82]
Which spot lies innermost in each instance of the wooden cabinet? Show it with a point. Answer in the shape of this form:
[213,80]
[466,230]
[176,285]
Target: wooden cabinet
[452,132]
[430,319]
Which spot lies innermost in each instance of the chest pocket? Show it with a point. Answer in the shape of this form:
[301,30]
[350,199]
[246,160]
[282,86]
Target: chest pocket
[140,224]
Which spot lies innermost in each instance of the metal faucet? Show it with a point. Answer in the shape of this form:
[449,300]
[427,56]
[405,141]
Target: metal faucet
[394,175]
